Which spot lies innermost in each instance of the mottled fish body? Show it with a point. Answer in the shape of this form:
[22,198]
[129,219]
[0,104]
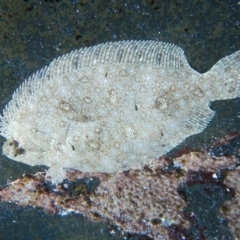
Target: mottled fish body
[112,107]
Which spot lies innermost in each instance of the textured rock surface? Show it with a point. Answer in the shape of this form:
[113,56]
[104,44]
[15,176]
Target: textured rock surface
[146,202]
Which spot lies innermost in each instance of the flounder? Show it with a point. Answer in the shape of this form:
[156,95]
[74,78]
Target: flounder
[112,107]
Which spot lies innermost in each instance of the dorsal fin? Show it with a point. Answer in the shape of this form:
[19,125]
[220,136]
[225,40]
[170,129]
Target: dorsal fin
[125,52]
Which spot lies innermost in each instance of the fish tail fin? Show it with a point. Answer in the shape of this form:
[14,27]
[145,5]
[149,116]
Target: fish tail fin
[224,78]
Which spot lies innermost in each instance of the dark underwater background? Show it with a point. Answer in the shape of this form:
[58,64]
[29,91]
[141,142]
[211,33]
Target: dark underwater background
[34,32]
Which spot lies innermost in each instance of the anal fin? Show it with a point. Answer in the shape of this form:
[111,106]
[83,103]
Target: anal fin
[198,120]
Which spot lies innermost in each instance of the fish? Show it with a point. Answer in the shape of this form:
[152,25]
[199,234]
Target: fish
[112,107]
